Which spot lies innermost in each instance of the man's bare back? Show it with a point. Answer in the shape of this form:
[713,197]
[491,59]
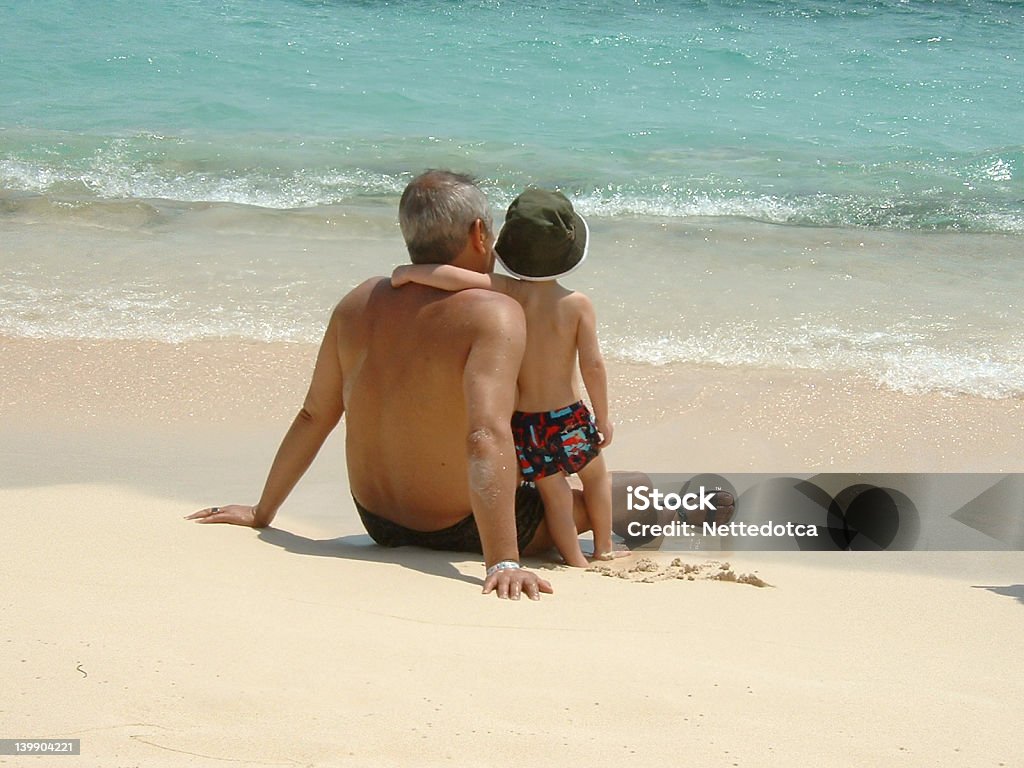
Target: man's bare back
[404,356]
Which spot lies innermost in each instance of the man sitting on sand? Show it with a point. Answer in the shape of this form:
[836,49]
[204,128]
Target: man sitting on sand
[427,379]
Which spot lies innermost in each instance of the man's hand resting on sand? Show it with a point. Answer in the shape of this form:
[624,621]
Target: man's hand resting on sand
[233,514]
[510,584]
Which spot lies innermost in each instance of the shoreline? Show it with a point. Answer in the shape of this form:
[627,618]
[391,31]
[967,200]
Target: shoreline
[886,306]
[714,418]
[200,422]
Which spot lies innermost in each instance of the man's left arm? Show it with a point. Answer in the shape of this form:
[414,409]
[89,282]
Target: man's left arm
[489,388]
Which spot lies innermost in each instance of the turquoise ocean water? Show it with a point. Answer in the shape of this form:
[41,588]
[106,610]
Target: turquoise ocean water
[846,178]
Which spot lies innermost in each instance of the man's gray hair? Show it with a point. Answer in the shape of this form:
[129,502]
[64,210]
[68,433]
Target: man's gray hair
[436,212]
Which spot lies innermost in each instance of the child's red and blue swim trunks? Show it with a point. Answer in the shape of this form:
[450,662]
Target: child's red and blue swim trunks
[564,440]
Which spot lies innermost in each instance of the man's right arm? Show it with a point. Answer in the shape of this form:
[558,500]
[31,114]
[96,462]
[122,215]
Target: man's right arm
[489,388]
[320,413]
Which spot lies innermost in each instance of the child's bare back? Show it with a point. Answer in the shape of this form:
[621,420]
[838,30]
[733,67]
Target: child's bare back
[556,318]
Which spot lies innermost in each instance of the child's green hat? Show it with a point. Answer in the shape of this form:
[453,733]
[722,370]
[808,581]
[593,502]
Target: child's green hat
[543,238]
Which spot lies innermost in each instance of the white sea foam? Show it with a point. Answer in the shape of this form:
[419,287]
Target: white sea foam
[903,361]
[108,175]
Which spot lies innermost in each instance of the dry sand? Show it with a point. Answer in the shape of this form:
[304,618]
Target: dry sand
[159,642]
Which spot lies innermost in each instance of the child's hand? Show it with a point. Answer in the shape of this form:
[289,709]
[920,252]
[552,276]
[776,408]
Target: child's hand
[400,276]
[607,429]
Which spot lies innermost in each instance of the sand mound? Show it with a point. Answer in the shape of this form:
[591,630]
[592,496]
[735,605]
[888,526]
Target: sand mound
[647,571]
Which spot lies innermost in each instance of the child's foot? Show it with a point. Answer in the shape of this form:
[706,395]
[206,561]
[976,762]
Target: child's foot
[611,554]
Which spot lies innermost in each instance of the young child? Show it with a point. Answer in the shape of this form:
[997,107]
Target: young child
[543,240]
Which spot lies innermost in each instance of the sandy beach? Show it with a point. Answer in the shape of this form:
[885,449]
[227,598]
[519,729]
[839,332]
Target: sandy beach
[158,642]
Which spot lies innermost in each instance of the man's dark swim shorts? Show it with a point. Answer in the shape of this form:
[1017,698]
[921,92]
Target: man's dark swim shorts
[565,440]
[461,537]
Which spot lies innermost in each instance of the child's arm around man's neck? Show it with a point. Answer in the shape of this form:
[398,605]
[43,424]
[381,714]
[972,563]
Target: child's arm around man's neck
[446,277]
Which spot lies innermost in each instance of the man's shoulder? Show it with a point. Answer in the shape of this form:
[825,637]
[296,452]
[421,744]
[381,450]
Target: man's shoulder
[485,298]
[362,292]
[355,301]
[488,312]
[489,302]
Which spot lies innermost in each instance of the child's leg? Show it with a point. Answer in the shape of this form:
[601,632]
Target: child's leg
[557,497]
[597,494]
